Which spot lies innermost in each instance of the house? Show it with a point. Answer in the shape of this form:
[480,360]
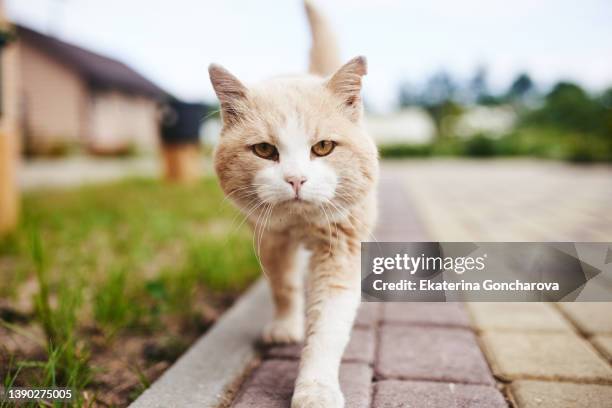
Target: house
[69,96]
[181,126]
[408,126]
[494,121]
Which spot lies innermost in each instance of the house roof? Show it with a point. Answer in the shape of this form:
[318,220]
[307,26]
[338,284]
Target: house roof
[98,70]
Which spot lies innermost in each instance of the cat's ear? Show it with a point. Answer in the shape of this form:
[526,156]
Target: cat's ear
[231,92]
[346,83]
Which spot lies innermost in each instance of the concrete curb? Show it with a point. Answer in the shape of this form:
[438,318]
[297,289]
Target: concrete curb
[206,375]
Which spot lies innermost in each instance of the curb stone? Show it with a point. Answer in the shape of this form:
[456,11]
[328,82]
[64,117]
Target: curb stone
[206,375]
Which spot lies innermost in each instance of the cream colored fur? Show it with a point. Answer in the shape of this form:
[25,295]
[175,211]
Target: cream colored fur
[316,227]
[324,53]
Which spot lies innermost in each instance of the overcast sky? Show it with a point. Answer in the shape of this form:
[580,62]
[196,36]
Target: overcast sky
[173,41]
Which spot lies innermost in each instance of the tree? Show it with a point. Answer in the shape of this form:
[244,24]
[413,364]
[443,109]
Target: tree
[478,89]
[407,95]
[521,88]
[439,89]
[605,100]
[438,98]
[567,106]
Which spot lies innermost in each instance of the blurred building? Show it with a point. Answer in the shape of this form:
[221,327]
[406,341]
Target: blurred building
[494,121]
[408,126]
[181,140]
[69,96]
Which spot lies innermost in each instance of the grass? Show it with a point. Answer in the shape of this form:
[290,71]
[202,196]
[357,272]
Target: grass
[132,258]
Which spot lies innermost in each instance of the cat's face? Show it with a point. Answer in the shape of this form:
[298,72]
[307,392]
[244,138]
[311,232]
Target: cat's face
[294,143]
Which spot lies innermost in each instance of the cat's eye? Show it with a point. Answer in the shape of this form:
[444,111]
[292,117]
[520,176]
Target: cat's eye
[265,151]
[323,148]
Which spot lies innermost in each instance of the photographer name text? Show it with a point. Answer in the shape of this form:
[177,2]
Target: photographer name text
[462,286]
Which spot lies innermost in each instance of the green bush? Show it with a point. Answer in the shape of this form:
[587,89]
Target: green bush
[450,146]
[404,150]
[531,141]
[480,146]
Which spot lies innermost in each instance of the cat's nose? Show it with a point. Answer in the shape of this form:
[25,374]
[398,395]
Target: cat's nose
[296,182]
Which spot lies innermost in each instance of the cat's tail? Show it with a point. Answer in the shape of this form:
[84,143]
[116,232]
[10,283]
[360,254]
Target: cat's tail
[324,53]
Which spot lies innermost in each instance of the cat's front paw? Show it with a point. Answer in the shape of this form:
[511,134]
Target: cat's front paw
[284,331]
[313,394]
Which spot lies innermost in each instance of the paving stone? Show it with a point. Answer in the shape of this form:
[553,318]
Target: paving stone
[271,385]
[590,317]
[368,314]
[597,289]
[399,221]
[431,353]
[356,384]
[434,313]
[517,316]
[283,351]
[549,356]
[543,394]
[359,349]
[405,394]
[604,345]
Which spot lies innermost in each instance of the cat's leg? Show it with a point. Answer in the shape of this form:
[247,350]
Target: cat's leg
[280,257]
[332,299]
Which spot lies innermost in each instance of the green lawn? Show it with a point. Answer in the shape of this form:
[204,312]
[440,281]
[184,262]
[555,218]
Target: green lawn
[94,268]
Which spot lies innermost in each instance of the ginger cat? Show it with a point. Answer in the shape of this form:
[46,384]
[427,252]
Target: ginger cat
[296,160]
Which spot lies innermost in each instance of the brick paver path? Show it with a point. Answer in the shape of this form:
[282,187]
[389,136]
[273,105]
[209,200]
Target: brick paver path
[480,355]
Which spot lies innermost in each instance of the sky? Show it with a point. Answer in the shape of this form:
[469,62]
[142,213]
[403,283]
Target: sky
[172,42]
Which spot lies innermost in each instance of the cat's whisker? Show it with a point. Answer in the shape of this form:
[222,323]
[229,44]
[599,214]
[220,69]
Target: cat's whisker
[233,229]
[252,201]
[249,188]
[329,227]
[227,197]
[264,223]
[255,229]
[337,234]
[263,227]
[246,217]
[365,227]
[267,221]
[257,250]
[248,194]
[347,196]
